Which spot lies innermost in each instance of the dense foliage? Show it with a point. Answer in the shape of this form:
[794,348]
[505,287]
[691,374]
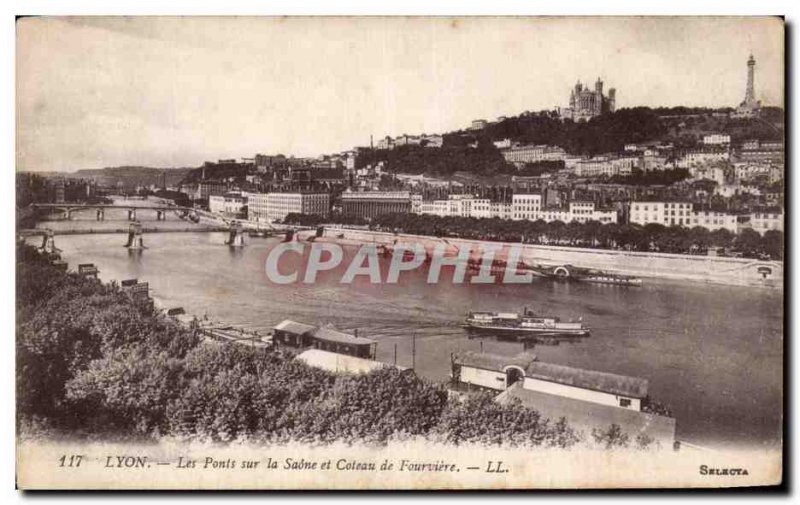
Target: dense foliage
[602,134]
[480,418]
[447,160]
[93,361]
[473,151]
[296,218]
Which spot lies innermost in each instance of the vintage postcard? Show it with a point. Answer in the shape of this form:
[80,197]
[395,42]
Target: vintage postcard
[427,253]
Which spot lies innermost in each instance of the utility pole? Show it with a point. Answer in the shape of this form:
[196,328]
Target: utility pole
[395,354]
[414,350]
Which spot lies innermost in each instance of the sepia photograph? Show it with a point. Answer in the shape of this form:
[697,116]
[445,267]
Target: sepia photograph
[399,253]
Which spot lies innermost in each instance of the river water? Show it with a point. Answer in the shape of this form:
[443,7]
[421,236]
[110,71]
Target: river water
[713,354]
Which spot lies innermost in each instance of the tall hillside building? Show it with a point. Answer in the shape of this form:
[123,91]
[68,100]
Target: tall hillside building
[750,107]
[585,103]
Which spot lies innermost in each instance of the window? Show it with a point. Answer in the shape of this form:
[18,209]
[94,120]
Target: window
[624,402]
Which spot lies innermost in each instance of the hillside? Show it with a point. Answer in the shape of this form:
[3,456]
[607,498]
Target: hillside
[682,126]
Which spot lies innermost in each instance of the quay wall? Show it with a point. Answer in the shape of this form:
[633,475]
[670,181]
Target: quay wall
[708,269]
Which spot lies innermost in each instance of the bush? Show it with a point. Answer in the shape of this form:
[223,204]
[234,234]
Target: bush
[479,419]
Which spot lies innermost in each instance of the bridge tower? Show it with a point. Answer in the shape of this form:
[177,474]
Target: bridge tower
[101,215]
[135,240]
[236,236]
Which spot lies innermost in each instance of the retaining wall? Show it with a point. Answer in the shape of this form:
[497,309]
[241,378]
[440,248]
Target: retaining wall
[719,270]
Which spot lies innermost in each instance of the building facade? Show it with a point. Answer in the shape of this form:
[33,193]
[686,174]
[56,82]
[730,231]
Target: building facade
[229,204]
[607,166]
[681,214]
[717,139]
[522,207]
[294,334]
[764,221]
[697,157]
[278,205]
[478,124]
[520,155]
[495,372]
[369,204]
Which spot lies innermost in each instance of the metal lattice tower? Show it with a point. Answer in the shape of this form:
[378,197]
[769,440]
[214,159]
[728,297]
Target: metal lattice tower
[750,94]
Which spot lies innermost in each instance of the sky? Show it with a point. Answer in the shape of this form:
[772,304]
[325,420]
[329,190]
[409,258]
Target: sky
[176,91]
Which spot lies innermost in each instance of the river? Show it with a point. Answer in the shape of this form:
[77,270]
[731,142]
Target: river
[713,354]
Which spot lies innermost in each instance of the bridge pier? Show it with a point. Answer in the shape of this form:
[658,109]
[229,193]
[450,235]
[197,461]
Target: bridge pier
[48,243]
[101,215]
[68,214]
[131,214]
[135,240]
[236,236]
[161,215]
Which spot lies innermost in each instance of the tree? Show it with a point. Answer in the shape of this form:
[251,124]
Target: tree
[611,438]
[748,242]
[772,244]
[480,419]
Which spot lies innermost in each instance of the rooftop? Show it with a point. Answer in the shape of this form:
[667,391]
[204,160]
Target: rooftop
[633,387]
[586,416]
[332,335]
[488,361]
[341,363]
[588,379]
[290,326]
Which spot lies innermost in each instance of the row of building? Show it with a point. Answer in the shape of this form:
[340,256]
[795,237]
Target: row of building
[269,207]
[715,149]
[740,172]
[411,140]
[684,214]
[521,207]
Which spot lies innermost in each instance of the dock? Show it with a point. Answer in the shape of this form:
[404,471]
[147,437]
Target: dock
[230,334]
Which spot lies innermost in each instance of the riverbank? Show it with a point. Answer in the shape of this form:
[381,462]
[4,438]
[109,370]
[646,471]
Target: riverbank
[705,269]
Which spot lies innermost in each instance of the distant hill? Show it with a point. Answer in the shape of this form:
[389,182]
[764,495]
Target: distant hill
[131,175]
[218,171]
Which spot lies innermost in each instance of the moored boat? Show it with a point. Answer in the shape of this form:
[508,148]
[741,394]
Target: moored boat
[578,274]
[615,279]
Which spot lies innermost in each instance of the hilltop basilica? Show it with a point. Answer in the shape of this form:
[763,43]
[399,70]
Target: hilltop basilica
[585,104]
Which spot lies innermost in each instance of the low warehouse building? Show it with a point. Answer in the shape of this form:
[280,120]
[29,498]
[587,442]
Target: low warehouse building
[586,398]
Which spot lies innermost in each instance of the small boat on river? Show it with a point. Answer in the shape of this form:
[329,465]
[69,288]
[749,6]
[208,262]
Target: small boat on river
[525,324]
